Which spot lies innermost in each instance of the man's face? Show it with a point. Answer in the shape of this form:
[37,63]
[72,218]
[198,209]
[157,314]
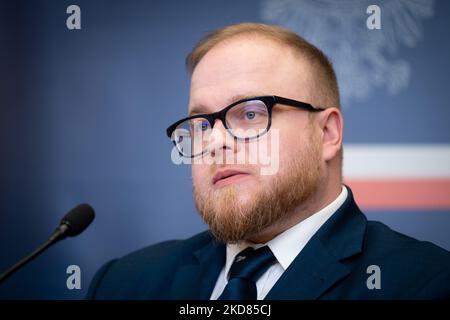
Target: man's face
[246,204]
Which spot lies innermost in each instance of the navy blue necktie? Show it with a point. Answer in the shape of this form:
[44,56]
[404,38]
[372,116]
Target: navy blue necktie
[247,267]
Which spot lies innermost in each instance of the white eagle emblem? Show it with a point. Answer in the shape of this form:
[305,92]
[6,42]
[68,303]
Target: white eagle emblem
[363,59]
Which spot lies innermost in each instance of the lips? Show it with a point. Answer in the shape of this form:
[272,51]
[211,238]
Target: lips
[228,175]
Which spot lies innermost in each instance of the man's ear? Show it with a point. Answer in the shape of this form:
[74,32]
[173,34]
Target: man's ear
[331,124]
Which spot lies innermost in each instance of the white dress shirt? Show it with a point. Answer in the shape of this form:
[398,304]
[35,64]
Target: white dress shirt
[285,247]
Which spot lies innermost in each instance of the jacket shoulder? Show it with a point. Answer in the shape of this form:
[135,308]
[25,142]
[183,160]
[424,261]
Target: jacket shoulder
[132,276]
[167,251]
[413,269]
[382,240]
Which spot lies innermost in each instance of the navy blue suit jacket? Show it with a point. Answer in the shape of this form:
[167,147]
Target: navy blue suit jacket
[333,265]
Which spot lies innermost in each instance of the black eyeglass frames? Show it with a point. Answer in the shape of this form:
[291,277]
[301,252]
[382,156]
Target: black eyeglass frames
[245,119]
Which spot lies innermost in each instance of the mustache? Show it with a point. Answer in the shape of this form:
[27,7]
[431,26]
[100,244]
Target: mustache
[250,169]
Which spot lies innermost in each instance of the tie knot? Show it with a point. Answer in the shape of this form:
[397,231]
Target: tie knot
[250,264]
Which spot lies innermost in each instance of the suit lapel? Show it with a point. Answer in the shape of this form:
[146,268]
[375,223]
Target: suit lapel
[319,266]
[196,278]
[309,275]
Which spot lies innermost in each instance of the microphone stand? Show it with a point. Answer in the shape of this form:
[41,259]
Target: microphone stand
[59,234]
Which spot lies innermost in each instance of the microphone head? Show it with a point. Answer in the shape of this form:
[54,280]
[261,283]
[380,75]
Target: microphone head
[78,219]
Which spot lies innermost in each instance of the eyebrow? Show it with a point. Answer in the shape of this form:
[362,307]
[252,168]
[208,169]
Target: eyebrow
[202,109]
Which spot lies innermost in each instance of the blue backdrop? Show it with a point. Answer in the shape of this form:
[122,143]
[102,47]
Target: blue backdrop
[83,116]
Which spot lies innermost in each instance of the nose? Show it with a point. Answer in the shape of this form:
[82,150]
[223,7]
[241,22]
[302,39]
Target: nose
[220,142]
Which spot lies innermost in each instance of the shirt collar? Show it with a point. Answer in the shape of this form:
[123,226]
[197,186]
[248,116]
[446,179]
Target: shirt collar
[288,244]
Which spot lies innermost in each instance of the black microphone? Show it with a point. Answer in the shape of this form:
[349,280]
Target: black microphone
[72,224]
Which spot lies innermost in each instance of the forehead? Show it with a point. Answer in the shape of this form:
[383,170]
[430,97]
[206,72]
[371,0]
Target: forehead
[248,67]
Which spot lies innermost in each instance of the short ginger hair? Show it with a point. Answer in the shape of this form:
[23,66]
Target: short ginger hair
[326,82]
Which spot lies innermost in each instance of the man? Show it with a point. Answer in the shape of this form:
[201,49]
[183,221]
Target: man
[292,231]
